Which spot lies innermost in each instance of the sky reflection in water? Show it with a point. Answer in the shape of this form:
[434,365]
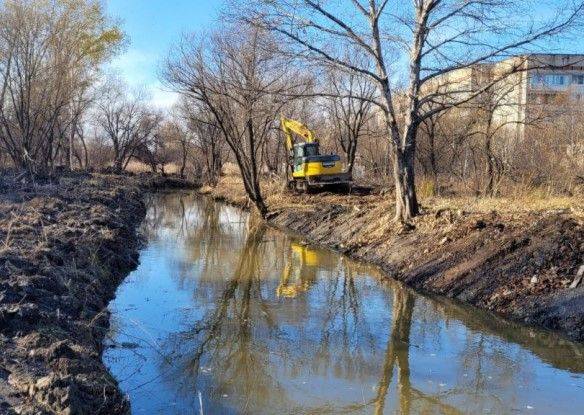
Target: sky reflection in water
[235,318]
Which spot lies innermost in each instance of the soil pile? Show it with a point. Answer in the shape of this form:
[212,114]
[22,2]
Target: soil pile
[65,246]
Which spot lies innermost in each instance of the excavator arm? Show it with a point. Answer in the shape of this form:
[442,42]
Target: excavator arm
[294,127]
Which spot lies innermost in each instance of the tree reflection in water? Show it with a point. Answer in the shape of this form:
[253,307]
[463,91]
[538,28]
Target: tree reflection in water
[255,340]
[271,325]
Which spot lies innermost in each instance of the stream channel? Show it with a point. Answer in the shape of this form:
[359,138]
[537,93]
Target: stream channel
[227,316]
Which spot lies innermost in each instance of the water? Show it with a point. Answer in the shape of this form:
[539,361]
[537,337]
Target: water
[224,316]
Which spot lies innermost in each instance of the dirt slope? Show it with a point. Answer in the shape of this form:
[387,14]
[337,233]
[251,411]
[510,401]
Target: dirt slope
[64,248]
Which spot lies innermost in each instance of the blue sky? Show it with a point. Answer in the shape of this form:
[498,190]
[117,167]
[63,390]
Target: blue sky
[152,26]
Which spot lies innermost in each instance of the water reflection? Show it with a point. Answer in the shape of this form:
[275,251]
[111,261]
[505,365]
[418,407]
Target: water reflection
[248,320]
[299,273]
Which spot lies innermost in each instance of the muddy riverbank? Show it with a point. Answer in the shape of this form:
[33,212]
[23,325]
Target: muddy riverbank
[519,263]
[65,245]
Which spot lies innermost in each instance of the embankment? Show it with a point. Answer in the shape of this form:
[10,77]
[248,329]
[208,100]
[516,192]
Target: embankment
[518,263]
[65,245]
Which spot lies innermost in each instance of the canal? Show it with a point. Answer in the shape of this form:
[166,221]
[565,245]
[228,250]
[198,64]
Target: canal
[227,316]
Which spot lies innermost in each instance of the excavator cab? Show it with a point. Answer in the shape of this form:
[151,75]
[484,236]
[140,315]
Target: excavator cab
[306,149]
[310,153]
[309,168]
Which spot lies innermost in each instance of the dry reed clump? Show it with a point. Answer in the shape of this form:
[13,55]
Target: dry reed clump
[521,203]
[136,166]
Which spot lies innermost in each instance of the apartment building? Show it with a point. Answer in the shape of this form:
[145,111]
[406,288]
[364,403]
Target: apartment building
[461,84]
[551,85]
[542,87]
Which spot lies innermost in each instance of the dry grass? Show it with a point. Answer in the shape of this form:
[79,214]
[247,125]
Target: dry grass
[521,203]
[230,188]
[135,166]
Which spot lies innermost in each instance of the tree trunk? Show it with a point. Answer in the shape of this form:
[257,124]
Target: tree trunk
[261,207]
[257,197]
[118,165]
[489,188]
[351,154]
[402,155]
[85,152]
[184,160]
[433,161]
[118,158]
[71,149]
[406,202]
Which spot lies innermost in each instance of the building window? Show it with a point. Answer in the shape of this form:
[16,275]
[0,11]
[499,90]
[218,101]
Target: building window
[578,79]
[548,80]
[537,80]
[555,79]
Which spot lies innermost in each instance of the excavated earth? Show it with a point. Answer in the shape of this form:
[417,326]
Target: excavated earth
[65,245]
[521,265]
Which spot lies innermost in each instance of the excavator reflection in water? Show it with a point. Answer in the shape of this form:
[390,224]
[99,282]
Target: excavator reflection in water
[300,271]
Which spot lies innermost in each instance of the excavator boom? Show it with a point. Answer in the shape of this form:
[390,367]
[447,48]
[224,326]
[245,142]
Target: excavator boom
[292,126]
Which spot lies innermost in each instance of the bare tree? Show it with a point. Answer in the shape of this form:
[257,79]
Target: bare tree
[550,156]
[485,127]
[180,136]
[162,148]
[49,54]
[206,137]
[442,143]
[83,157]
[348,109]
[427,151]
[438,37]
[127,123]
[178,142]
[237,78]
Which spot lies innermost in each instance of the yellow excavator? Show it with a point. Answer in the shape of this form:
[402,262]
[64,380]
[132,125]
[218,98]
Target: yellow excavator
[308,169]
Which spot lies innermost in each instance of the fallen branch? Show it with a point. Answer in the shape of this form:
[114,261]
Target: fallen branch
[579,276]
